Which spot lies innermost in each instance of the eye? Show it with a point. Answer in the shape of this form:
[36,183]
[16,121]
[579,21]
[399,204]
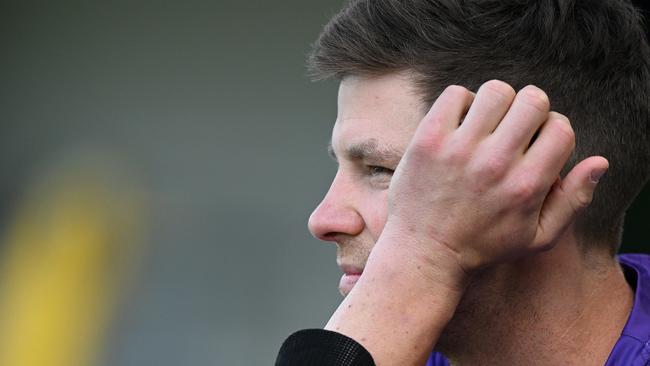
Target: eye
[378,171]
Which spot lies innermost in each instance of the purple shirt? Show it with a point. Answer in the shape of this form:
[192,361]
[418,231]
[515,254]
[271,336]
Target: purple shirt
[633,347]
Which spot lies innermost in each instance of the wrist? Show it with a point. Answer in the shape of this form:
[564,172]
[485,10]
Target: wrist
[419,262]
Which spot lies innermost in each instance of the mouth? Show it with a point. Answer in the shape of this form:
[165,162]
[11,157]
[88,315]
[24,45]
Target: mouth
[351,275]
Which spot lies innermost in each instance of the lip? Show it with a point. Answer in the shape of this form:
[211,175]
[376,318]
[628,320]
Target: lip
[347,283]
[350,269]
[351,275]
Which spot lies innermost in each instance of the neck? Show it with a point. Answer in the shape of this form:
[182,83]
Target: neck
[562,307]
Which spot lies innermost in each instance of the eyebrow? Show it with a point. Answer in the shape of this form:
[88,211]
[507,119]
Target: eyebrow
[369,151]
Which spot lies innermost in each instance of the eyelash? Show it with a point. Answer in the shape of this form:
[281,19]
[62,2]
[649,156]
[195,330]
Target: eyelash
[375,171]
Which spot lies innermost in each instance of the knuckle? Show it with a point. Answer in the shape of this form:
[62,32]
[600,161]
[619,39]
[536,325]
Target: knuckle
[455,155]
[428,142]
[434,121]
[500,88]
[420,146]
[536,98]
[457,91]
[559,116]
[564,130]
[582,200]
[525,190]
[494,166]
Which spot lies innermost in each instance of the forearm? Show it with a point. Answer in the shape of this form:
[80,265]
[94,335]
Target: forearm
[398,308]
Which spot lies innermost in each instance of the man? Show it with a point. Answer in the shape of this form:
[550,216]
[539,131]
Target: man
[482,243]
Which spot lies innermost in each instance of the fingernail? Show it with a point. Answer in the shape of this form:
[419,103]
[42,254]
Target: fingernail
[597,174]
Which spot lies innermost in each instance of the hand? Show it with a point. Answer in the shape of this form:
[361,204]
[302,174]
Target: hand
[487,189]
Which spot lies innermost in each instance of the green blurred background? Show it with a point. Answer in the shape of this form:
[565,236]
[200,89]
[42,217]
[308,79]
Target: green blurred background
[205,108]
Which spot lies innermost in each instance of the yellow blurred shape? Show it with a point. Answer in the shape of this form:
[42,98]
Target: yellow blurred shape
[66,254]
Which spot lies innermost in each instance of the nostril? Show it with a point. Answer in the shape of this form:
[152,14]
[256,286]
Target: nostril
[322,227]
[335,216]
[331,236]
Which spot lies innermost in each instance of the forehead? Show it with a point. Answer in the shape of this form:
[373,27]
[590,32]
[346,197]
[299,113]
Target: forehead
[382,110]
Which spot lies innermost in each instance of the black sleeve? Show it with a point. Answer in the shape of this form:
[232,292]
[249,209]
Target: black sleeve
[317,347]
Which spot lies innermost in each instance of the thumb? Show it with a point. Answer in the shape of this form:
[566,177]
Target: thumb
[567,198]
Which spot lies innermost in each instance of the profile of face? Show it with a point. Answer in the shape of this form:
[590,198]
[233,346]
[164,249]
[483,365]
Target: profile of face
[377,117]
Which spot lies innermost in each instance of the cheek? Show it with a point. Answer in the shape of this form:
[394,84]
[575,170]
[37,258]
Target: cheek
[376,212]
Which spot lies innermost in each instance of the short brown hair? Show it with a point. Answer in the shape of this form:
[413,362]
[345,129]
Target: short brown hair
[590,56]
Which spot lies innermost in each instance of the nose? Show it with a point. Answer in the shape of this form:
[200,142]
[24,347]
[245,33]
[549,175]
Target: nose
[336,215]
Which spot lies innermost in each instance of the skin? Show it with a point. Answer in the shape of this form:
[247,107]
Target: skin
[472,233]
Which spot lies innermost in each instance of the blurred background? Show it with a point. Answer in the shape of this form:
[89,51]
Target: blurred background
[158,163]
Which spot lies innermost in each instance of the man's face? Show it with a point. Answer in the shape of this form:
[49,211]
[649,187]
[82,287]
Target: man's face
[376,119]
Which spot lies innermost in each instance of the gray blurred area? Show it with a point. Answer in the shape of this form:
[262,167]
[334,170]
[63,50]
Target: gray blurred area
[209,104]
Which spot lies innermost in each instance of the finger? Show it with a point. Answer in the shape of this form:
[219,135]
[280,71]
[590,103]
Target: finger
[567,198]
[551,149]
[528,112]
[448,110]
[490,105]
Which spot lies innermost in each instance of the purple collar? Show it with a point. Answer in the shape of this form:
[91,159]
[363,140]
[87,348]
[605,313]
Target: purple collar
[633,347]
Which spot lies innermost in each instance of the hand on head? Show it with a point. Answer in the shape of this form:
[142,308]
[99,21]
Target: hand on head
[480,181]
